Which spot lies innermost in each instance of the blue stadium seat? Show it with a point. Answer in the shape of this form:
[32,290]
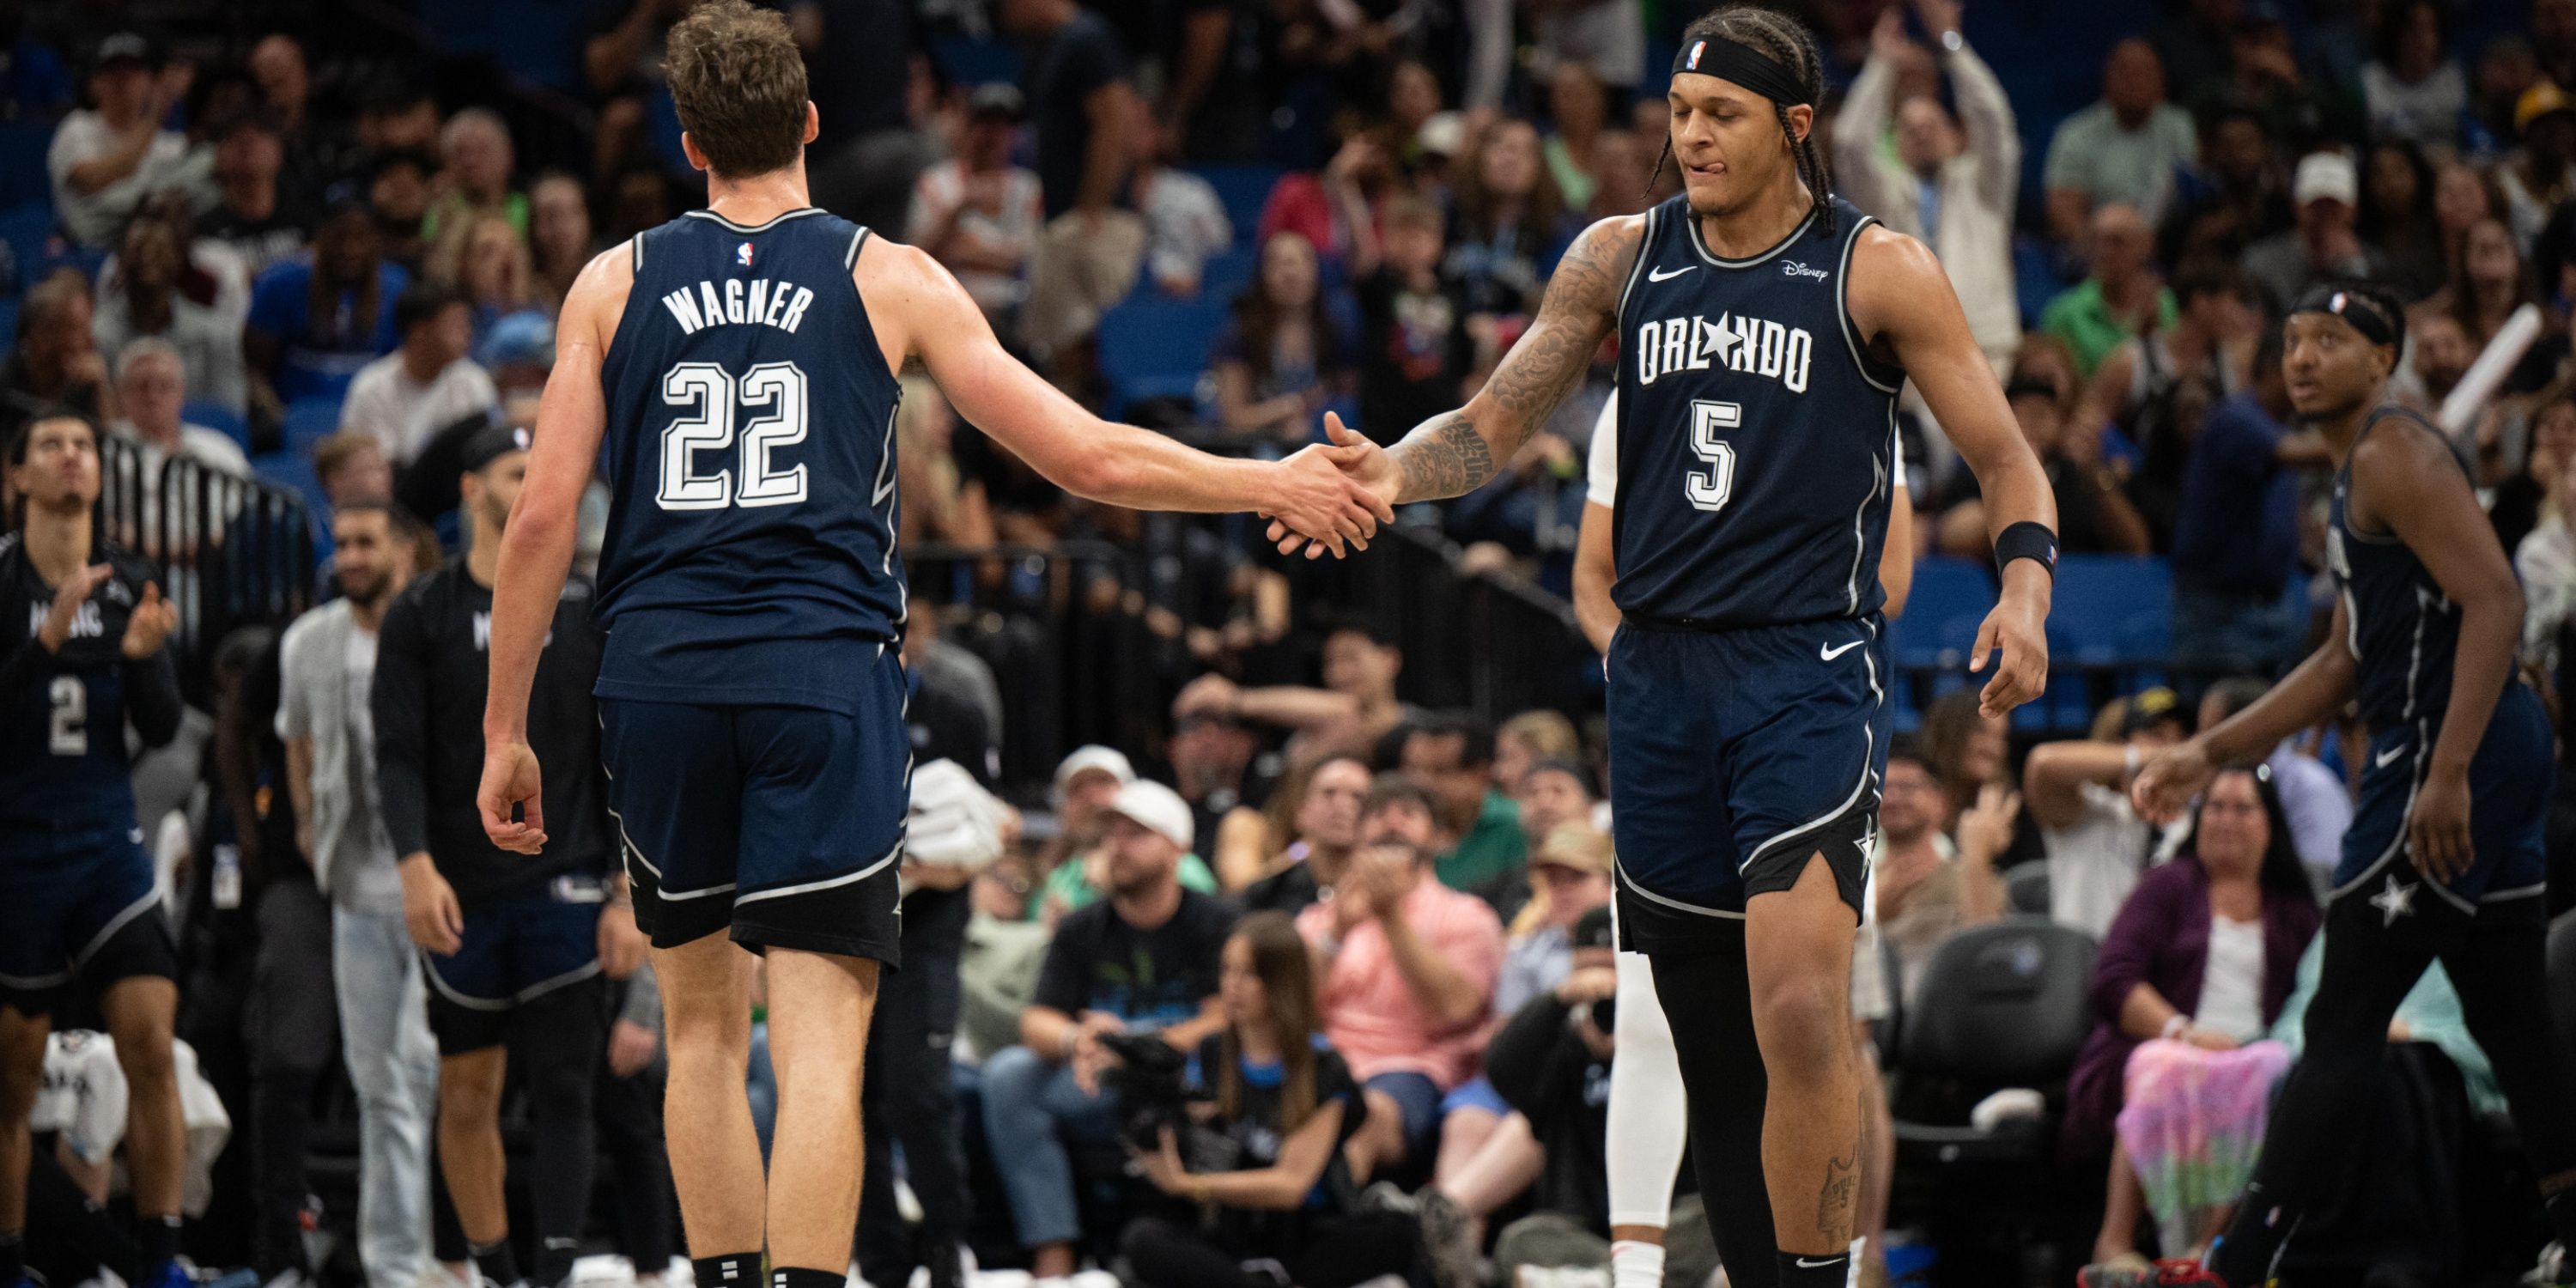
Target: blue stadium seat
[2112,608]
[23,178]
[977,62]
[1156,348]
[218,417]
[309,421]
[8,324]
[1950,599]
[1243,190]
[28,229]
[1228,272]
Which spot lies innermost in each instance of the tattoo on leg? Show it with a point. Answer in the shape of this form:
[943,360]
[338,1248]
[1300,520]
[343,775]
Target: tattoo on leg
[1834,1202]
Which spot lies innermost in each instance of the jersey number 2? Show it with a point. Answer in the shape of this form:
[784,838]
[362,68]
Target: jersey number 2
[1708,489]
[714,396]
[70,725]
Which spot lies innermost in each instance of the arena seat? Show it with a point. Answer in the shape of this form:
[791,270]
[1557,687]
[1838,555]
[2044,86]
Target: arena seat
[1227,272]
[27,229]
[1243,190]
[309,421]
[2111,609]
[1154,348]
[2026,886]
[1950,598]
[23,177]
[220,418]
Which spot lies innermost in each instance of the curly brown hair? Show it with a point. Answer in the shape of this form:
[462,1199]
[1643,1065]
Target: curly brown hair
[738,81]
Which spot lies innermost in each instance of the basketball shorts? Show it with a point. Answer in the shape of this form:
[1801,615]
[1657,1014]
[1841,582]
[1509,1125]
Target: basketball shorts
[778,825]
[77,904]
[2510,781]
[1734,757]
[514,952]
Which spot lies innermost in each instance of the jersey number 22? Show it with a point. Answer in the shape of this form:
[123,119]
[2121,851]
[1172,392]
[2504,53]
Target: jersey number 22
[714,396]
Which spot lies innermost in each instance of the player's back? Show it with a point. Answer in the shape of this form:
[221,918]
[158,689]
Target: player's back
[1756,435]
[749,456]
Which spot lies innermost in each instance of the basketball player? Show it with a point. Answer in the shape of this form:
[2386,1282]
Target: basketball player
[732,374]
[2444,857]
[1764,330]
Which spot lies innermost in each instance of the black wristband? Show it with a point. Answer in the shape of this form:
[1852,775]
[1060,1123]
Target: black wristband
[2027,540]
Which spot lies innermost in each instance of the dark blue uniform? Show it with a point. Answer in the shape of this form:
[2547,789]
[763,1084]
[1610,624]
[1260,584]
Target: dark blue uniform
[1747,683]
[752,703]
[2404,634]
[76,892]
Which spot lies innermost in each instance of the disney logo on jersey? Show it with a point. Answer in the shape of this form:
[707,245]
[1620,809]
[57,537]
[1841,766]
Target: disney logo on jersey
[86,623]
[1733,342]
[1793,268]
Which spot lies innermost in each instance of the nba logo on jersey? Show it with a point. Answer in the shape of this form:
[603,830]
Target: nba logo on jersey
[742,254]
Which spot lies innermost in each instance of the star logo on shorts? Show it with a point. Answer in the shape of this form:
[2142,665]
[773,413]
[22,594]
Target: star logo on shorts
[2395,900]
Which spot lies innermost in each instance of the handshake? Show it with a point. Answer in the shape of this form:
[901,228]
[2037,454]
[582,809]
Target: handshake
[1332,495]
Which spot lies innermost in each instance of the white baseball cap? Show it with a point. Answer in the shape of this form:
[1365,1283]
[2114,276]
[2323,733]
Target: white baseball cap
[1157,809]
[1089,757]
[2326,176]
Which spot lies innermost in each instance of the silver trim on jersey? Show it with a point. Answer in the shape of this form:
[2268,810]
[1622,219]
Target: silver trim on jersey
[1842,310]
[114,924]
[851,260]
[774,220]
[429,966]
[1691,233]
[1879,476]
[828,882]
[1868,766]
[1645,253]
[1630,884]
[636,253]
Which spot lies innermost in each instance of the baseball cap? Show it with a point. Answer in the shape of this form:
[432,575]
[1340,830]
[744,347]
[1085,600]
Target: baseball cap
[124,47]
[2543,98]
[1157,809]
[524,338]
[2151,707]
[1579,846]
[1443,134]
[1094,756]
[2325,176]
[490,444]
[997,98]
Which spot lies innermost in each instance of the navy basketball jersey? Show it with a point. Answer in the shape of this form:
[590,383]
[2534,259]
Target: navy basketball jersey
[2402,629]
[750,463]
[1756,433]
[63,762]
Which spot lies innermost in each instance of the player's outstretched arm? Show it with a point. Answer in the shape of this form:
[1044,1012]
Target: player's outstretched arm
[919,310]
[1899,294]
[536,546]
[2312,692]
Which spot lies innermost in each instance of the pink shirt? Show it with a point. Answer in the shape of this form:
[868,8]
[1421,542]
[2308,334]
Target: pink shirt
[1371,1014]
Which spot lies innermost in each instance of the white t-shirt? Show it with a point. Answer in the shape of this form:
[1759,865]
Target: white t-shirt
[95,220]
[2231,986]
[1013,230]
[403,414]
[1601,470]
[2095,861]
[84,1097]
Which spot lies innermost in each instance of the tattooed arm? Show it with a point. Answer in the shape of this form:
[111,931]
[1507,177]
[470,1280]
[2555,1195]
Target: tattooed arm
[1453,453]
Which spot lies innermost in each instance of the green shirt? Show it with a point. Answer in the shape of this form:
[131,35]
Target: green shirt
[1066,883]
[2084,322]
[1491,849]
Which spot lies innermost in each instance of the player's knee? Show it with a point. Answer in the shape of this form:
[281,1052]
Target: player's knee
[147,1064]
[1802,1020]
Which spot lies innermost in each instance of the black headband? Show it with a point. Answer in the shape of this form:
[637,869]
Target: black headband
[1746,66]
[2361,312]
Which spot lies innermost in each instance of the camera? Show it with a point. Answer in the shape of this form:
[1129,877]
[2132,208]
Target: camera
[1150,1079]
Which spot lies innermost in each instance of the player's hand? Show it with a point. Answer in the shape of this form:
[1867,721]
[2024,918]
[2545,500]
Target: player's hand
[68,598]
[2166,784]
[1325,501]
[510,778]
[630,1048]
[149,624]
[621,945]
[2018,626]
[2437,829]
[1366,465]
[430,910]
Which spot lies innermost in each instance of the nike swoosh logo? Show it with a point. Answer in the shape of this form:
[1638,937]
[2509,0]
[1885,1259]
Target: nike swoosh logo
[1829,654]
[1659,275]
[1804,1264]
[2386,758]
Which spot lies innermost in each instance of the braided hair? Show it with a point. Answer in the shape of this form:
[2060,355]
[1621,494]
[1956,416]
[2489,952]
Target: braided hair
[1786,41]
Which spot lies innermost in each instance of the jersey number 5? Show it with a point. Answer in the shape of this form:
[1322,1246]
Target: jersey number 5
[1708,489]
[713,396]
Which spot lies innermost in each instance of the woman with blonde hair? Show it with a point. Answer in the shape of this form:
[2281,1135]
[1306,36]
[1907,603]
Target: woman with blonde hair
[491,266]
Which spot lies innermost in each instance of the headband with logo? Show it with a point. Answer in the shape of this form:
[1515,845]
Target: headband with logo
[2361,312]
[1746,66]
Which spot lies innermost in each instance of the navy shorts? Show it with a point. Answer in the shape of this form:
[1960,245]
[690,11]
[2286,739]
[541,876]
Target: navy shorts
[513,952]
[77,905]
[2510,781]
[1735,755]
[780,825]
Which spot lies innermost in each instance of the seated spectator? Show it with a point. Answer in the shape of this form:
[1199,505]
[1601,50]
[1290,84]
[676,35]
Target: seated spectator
[398,191]
[1143,961]
[1080,89]
[2120,299]
[1418,350]
[2264,77]
[105,161]
[1569,877]
[1548,1058]
[151,389]
[936,501]
[2313,797]
[1508,224]
[2487,282]
[2540,174]
[2149,386]
[142,298]
[351,467]
[2198,962]
[497,277]
[1578,110]
[2516,509]
[2398,219]
[476,159]
[1185,224]
[2120,151]
[1211,760]
[56,362]
[1286,1102]
[2463,194]
[1323,829]
[1527,739]
[2412,91]
[2546,562]
[315,320]
[1354,709]
[2094,513]
[2442,357]
[406,397]
[2236,535]
[1409,970]
[2235,195]
[1929,888]
[1077,862]
[2322,246]
[1335,207]
[559,237]
[1477,826]
[1623,163]
[254,215]
[1965,750]
[1554,793]
[2079,795]
[1282,358]
[976,212]
[317,146]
